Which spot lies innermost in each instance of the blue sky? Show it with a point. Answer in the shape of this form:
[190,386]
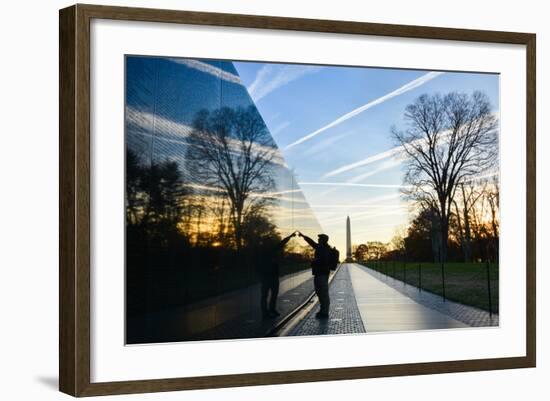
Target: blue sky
[333,125]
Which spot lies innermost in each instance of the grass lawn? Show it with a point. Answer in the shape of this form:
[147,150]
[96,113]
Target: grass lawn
[464,282]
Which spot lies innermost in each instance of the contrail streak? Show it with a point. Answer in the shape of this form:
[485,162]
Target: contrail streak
[399,91]
[352,184]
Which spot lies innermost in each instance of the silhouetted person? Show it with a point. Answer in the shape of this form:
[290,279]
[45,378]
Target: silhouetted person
[322,264]
[269,278]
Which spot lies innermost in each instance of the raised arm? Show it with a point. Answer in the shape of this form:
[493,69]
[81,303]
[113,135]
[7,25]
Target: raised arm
[285,240]
[311,243]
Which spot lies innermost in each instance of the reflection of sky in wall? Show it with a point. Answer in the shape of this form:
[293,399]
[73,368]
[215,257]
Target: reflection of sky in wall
[328,119]
[163,97]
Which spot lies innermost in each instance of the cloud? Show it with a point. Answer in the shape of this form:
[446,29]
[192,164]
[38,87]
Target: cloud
[280,127]
[351,184]
[382,198]
[273,76]
[325,143]
[371,159]
[147,122]
[361,216]
[385,165]
[208,69]
[399,91]
[397,154]
[356,205]
[268,195]
[380,201]
[167,130]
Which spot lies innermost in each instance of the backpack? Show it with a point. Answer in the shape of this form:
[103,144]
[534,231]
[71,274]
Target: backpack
[333,258]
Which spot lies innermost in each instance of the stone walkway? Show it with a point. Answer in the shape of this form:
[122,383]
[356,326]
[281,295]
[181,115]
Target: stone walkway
[363,300]
[344,313]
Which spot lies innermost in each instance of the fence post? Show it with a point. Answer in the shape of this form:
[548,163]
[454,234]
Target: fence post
[419,277]
[404,273]
[489,289]
[443,279]
[393,265]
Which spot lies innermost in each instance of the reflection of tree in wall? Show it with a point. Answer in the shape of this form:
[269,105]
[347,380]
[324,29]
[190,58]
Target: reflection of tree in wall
[448,140]
[193,236]
[154,196]
[155,205]
[231,151]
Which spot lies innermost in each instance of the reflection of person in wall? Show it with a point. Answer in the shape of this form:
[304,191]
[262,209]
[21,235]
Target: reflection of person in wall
[269,278]
[325,260]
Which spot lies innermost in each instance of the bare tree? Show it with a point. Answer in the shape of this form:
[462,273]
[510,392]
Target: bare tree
[449,139]
[231,150]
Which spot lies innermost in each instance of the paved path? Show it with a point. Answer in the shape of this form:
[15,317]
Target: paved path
[344,314]
[383,308]
[363,300]
[469,315]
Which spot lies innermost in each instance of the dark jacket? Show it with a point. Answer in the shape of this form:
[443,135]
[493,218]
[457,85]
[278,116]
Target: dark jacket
[321,261]
[268,264]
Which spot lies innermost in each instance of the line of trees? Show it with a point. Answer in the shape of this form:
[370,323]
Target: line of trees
[474,230]
[473,227]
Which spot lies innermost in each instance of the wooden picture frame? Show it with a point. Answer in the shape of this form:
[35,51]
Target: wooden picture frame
[74,204]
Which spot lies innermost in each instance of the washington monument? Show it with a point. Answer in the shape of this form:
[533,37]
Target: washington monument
[349,258]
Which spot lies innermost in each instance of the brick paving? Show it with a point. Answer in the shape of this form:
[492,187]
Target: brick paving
[468,315]
[344,316]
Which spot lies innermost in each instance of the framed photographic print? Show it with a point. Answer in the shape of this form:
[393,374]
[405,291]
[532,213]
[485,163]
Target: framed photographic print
[251,200]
